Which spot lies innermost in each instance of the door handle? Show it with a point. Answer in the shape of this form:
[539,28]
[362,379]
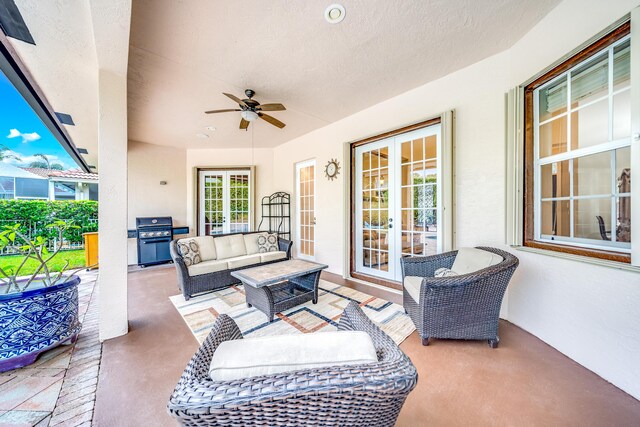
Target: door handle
[314,221]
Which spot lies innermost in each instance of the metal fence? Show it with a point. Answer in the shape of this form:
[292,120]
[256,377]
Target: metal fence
[72,239]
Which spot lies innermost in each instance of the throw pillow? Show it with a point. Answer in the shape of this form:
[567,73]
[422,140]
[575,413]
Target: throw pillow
[267,243]
[444,272]
[190,252]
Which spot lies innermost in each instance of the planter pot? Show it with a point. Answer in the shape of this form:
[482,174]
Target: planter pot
[37,320]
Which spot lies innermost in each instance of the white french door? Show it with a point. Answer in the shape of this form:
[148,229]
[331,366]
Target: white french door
[398,186]
[225,202]
[305,209]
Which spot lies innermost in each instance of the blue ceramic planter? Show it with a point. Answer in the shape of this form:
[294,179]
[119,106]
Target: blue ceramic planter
[37,320]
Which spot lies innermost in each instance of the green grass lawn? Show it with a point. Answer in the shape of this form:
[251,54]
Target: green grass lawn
[76,259]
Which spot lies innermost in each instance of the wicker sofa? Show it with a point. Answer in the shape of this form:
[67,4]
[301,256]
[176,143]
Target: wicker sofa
[222,254]
[369,394]
[465,306]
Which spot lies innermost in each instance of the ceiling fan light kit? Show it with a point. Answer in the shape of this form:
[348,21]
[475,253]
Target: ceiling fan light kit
[249,115]
[251,110]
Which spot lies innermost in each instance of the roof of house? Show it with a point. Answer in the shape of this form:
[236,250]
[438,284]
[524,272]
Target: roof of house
[68,174]
[13,171]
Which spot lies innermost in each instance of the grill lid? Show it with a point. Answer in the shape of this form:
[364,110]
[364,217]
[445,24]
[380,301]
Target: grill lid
[158,221]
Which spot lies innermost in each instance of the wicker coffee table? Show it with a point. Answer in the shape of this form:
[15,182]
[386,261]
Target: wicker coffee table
[280,286]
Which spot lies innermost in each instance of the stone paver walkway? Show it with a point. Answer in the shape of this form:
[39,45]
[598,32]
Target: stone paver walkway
[59,388]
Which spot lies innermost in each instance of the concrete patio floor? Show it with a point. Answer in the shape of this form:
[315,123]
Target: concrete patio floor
[523,382]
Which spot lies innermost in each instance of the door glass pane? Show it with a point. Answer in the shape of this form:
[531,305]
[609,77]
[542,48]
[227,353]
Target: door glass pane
[239,203]
[306,176]
[213,213]
[418,198]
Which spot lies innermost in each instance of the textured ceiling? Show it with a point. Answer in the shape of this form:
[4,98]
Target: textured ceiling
[183,54]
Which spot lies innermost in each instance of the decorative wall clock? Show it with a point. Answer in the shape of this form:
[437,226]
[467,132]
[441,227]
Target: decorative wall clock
[332,169]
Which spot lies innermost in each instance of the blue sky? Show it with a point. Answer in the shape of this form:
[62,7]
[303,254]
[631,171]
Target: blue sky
[22,131]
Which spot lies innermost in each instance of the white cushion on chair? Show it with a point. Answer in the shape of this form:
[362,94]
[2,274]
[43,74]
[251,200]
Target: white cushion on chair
[470,260]
[252,357]
[412,285]
[272,256]
[244,260]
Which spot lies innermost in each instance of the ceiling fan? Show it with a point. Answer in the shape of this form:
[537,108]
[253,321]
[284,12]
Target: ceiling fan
[251,110]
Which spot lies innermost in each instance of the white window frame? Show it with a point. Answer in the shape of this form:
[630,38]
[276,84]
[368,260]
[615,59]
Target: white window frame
[515,130]
[570,155]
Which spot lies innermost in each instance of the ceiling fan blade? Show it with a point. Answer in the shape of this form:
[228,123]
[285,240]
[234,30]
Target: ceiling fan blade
[235,98]
[244,124]
[271,120]
[222,111]
[271,107]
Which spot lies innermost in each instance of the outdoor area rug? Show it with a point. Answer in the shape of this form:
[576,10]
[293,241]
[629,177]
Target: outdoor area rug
[200,313]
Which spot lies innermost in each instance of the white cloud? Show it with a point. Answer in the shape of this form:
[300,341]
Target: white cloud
[27,160]
[26,137]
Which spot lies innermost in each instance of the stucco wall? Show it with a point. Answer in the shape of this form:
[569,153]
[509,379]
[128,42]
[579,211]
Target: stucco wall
[148,164]
[587,312]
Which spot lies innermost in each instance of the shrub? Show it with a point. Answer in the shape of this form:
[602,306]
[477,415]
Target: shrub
[36,214]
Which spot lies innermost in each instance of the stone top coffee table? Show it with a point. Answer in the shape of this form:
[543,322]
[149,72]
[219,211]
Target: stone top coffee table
[277,287]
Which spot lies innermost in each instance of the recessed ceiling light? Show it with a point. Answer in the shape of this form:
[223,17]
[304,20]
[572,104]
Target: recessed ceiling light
[202,135]
[334,13]
[211,128]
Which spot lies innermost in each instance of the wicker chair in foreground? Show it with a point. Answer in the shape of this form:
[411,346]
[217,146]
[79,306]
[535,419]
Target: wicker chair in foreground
[354,395]
[465,306]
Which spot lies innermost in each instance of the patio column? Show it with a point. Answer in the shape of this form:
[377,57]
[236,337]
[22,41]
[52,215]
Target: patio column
[112,215]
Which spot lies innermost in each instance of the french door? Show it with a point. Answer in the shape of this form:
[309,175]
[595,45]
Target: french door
[225,202]
[398,186]
[305,209]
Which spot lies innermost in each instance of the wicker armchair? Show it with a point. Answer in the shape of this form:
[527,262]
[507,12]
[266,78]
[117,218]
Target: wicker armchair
[457,307]
[354,395]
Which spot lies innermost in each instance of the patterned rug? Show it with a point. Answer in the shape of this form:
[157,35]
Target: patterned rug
[199,313]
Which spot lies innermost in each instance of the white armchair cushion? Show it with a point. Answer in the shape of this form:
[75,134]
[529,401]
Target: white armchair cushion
[252,357]
[230,246]
[470,260]
[412,285]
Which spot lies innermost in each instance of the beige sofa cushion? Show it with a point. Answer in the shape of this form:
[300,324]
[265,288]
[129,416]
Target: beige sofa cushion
[470,260]
[241,261]
[412,285]
[253,357]
[251,242]
[205,267]
[230,246]
[272,256]
[206,246]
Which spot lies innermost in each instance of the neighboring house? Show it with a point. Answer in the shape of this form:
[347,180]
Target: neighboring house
[37,183]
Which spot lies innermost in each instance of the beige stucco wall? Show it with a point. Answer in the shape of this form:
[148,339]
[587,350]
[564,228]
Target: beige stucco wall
[583,310]
[148,164]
